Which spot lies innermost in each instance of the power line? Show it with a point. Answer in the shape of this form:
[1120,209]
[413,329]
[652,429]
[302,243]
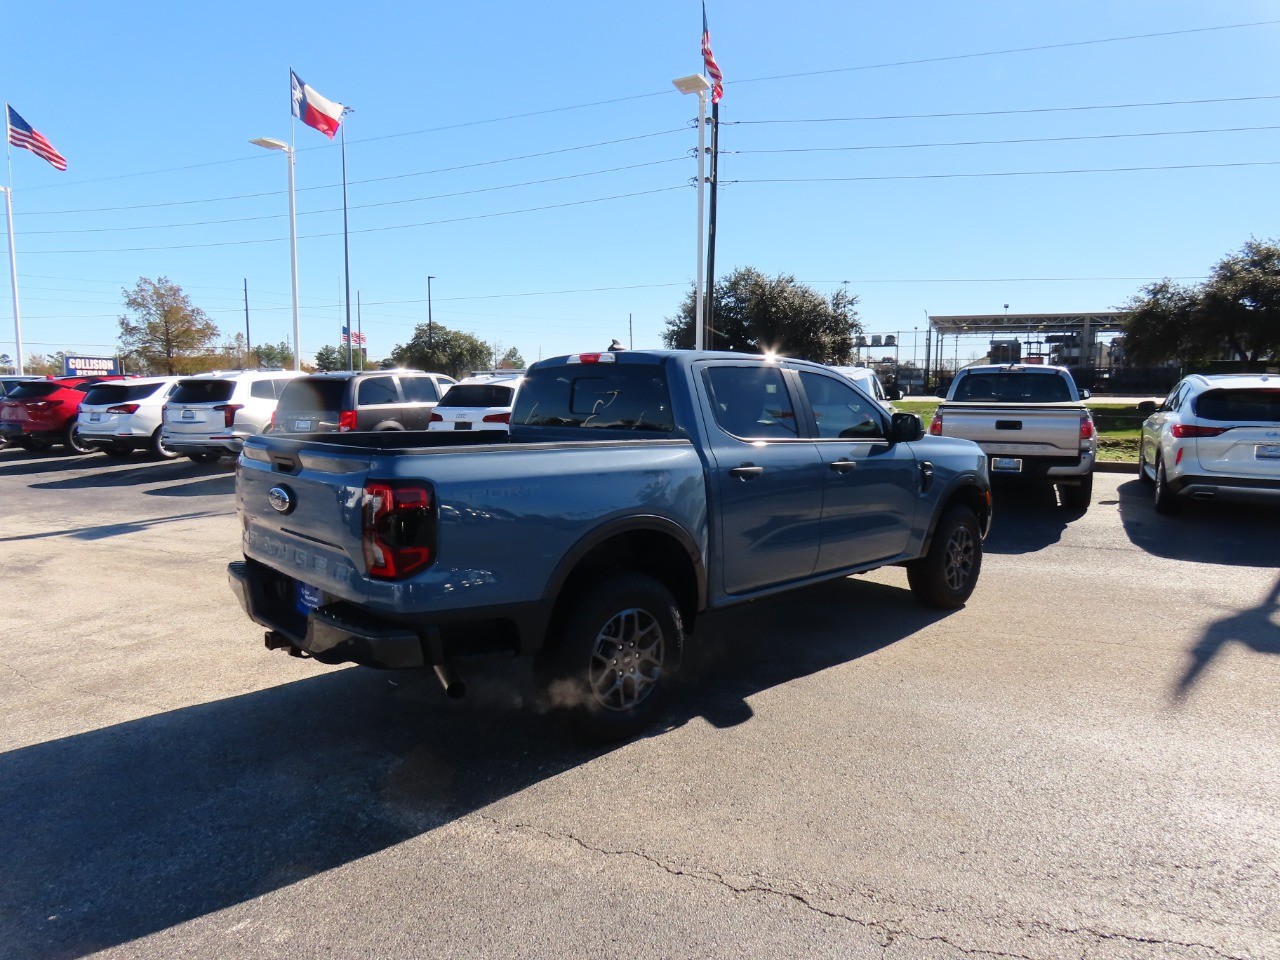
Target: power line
[1020,140]
[1005,173]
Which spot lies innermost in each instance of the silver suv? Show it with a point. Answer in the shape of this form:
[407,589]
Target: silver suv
[208,415]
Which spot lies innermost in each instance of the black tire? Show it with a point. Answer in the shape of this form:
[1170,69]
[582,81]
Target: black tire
[612,659]
[34,444]
[71,439]
[204,457]
[1142,465]
[1079,496]
[159,449]
[946,575]
[1165,502]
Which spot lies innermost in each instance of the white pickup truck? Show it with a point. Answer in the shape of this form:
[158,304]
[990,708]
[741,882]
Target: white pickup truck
[1030,421]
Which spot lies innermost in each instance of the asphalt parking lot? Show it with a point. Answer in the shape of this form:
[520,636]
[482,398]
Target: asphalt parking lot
[1082,763]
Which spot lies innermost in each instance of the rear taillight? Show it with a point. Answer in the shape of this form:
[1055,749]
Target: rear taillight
[41,404]
[124,408]
[935,425]
[498,418]
[346,421]
[398,528]
[229,412]
[435,418]
[1184,430]
[1086,428]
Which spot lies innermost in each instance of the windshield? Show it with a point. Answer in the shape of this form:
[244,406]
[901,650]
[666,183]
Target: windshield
[120,392]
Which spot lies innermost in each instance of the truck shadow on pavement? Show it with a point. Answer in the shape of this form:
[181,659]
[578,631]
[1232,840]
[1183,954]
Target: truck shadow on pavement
[1025,518]
[121,832]
[1223,533]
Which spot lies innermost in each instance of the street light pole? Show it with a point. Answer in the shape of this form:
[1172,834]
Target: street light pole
[13,279]
[697,83]
[270,143]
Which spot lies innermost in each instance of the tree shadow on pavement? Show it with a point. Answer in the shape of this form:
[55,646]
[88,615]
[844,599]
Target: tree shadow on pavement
[1216,532]
[159,471]
[117,833]
[1258,629]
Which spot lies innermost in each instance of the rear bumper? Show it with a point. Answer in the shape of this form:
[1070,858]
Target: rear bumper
[216,445]
[341,632]
[1043,468]
[1236,489]
[16,431]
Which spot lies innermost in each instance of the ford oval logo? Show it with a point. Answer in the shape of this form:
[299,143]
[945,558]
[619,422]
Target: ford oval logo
[281,499]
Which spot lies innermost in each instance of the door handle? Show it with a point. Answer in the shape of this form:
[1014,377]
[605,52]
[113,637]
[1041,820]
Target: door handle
[747,472]
[843,466]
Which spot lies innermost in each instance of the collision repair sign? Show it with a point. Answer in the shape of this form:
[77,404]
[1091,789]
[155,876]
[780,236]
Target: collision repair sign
[90,366]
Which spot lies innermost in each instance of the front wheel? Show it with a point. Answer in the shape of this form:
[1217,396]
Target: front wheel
[611,662]
[72,441]
[946,575]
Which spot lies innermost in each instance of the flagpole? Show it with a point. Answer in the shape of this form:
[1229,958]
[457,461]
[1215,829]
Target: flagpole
[13,253]
[709,313]
[346,255]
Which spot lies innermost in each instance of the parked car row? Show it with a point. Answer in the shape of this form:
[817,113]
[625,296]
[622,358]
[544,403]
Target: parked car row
[208,416]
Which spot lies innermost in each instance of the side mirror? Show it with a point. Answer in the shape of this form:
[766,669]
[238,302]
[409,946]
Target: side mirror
[1147,407]
[1085,394]
[906,427]
[940,392]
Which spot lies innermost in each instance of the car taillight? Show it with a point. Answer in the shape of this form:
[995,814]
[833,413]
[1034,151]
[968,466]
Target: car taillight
[41,404]
[935,425]
[1086,428]
[123,408]
[229,412]
[498,418]
[435,418]
[398,528]
[1184,430]
[346,421]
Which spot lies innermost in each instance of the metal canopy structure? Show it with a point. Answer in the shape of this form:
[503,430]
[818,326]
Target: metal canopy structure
[1111,321]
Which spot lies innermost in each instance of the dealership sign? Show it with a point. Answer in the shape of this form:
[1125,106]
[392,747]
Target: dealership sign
[90,366]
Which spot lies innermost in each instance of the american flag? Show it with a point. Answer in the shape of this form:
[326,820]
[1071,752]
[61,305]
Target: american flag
[356,339]
[709,60]
[21,135]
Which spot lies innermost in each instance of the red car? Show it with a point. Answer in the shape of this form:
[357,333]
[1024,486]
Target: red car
[36,414]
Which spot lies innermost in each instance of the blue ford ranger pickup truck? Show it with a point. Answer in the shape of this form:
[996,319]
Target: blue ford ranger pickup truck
[635,491]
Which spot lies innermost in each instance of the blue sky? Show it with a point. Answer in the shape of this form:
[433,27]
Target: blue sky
[535,159]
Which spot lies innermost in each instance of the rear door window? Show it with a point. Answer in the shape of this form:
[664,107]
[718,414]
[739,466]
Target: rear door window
[751,402]
[419,389]
[377,392]
[263,390]
[203,391]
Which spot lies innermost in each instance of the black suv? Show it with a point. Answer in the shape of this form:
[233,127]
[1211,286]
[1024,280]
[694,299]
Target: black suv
[360,401]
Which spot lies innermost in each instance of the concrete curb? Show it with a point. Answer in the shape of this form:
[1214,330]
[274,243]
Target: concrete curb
[1115,466]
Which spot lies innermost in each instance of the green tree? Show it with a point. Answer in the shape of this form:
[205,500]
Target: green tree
[511,360]
[1235,312]
[6,363]
[755,313]
[331,358]
[441,350]
[272,355]
[165,331]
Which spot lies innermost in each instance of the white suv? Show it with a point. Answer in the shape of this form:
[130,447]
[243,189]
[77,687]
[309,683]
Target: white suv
[121,416]
[478,403]
[208,415]
[1214,437]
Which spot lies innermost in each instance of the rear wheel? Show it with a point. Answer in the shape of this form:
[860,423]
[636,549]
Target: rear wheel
[1165,501]
[946,575]
[72,441]
[159,449]
[612,660]
[1079,496]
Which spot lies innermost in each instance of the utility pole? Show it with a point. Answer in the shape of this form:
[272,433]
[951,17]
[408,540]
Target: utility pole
[631,334]
[709,314]
[430,325]
[248,344]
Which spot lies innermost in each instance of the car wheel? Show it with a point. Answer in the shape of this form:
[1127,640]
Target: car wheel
[203,457]
[1079,496]
[1165,501]
[34,444]
[71,439]
[611,661]
[946,575]
[159,449]
[1142,464]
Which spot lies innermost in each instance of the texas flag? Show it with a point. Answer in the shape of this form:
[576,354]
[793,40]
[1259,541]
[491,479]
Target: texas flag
[313,109]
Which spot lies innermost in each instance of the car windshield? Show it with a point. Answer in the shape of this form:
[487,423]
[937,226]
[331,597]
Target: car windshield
[1013,388]
[313,396]
[32,391]
[120,392]
[478,395]
[1234,406]
[203,391]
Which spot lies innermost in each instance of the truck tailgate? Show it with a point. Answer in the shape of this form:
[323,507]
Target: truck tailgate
[1041,430]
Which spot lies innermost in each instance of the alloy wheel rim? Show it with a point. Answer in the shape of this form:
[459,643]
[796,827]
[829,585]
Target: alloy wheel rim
[626,662]
[959,558]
